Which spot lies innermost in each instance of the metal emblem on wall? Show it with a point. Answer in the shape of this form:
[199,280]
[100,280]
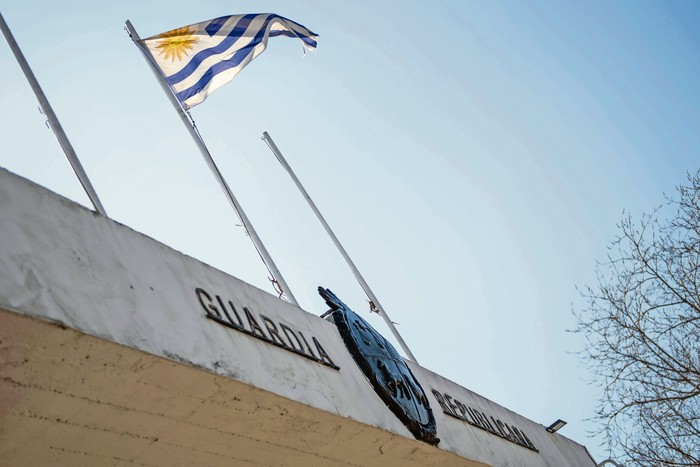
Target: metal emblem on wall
[386,371]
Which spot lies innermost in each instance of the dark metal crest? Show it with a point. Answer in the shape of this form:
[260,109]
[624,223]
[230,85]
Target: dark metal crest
[386,371]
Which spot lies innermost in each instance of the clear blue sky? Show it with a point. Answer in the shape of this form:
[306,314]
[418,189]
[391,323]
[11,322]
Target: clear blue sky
[473,156]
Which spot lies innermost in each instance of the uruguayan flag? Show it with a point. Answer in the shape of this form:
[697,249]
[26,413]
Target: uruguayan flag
[197,59]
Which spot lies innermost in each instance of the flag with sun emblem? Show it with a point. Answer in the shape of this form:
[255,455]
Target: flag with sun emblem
[195,60]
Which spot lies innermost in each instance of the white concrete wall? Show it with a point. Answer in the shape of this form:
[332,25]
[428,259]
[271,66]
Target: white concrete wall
[61,262]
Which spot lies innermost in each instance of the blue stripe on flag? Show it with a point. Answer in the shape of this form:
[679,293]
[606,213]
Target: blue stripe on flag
[221,47]
[310,42]
[216,24]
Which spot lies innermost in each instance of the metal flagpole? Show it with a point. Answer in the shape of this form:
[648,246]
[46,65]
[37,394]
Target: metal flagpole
[53,120]
[192,128]
[374,302]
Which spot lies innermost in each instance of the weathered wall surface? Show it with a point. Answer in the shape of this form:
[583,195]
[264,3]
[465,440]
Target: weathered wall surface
[62,263]
[70,399]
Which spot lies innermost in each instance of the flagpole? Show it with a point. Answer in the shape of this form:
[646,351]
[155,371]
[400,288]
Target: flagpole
[277,278]
[53,119]
[374,302]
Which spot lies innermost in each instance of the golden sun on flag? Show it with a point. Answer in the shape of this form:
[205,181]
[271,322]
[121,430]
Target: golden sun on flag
[176,43]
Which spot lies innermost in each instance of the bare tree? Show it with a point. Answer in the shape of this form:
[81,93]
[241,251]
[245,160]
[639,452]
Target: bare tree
[642,327]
